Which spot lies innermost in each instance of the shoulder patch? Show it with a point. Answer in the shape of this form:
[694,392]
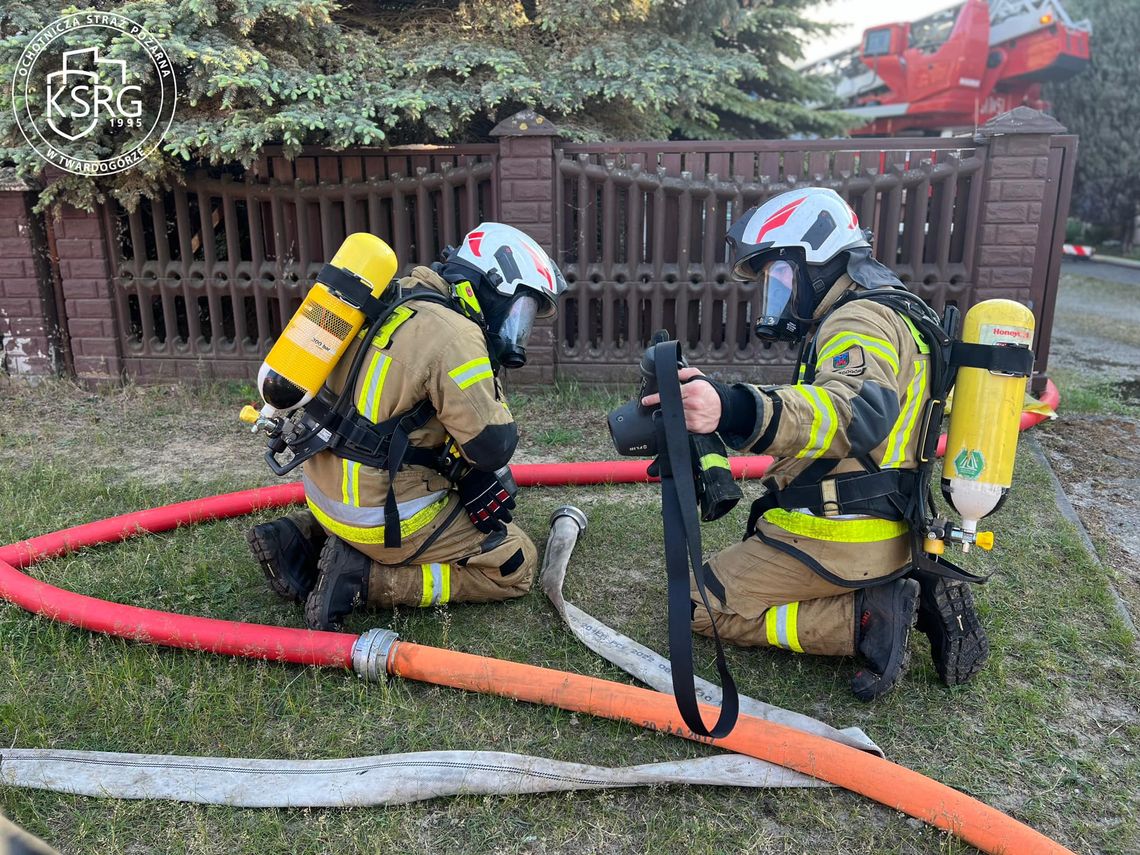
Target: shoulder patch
[850,362]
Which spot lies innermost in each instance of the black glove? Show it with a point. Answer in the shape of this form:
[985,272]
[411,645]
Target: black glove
[488,498]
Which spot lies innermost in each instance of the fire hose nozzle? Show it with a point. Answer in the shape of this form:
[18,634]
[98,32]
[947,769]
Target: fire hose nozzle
[573,513]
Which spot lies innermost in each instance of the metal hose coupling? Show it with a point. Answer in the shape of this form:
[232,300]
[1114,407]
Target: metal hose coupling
[573,513]
[370,653]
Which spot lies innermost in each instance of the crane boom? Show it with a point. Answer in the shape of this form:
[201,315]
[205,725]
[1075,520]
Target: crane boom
[958,67]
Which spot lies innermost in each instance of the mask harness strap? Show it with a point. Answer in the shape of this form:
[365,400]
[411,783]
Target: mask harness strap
[683,550]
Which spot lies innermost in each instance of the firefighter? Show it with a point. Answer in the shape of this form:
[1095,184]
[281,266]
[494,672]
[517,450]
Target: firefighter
[825,566]
[453,495]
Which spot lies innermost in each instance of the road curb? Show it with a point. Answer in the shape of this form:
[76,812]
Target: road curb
[1115,261]
[1070,513]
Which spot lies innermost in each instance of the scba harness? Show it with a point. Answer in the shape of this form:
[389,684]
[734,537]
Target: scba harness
[331,423]
[894,494]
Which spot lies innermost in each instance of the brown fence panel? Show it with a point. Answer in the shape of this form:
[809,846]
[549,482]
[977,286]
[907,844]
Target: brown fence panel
[640,237]
[206,276]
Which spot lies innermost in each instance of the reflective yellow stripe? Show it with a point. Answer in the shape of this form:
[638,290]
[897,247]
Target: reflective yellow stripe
[350,483]
[437,584]
[368,404]
[471,372]
[899,439]
[836,531]
[923,347]
[714,461]
[399,315]
[781,627]
[356,534]
[770,628]
[841,342]
[824,421]
[793,633]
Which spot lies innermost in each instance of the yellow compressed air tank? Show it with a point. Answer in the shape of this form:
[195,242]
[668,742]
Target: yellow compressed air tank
[982,442]
[320,331]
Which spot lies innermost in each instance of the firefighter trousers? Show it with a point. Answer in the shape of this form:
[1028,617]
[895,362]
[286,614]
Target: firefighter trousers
[451,561]
[761,596]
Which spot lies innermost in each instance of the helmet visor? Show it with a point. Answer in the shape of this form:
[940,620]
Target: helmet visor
[514,332]
[777,289]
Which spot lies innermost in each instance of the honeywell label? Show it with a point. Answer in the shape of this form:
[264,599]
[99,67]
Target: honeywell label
[1005,334]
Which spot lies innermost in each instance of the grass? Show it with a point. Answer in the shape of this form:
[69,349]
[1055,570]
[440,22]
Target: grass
[1049,732]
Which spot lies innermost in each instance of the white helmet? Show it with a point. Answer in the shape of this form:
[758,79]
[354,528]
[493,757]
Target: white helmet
[509,260]
[796,245]
[516,283]
[814,218]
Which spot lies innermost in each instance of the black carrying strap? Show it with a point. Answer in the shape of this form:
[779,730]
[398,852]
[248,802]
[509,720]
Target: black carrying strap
[1014,360]
[683,551]
[354,289]
[928,563]
[398,450]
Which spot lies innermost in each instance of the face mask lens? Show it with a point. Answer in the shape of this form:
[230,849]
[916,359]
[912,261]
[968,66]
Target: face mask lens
[778,285]
[514,332]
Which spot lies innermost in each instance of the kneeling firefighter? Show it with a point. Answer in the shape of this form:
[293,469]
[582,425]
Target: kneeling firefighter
[405,446]
[841,550]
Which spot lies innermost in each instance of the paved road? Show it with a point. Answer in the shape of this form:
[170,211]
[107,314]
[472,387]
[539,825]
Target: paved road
[1100,270]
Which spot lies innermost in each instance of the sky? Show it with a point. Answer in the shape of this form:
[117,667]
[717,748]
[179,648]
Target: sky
[857,15]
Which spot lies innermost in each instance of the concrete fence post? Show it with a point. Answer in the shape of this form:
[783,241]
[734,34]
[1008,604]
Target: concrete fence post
[526,201]
[1024,204]
[84,259]
[30,345]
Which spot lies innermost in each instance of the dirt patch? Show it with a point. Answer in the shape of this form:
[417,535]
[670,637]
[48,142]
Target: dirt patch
[156,434]
[1097,459]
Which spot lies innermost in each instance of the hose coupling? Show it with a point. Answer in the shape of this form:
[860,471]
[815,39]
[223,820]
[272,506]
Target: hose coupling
[370,654]
[573,513]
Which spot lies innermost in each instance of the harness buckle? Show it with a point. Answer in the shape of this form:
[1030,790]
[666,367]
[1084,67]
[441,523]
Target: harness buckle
[829,498]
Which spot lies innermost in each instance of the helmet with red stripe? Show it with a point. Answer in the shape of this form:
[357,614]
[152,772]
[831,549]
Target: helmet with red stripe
[515,282]
[796,245]
[511,260]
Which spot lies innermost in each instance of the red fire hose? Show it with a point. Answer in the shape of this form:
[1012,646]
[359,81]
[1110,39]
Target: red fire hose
[858,771]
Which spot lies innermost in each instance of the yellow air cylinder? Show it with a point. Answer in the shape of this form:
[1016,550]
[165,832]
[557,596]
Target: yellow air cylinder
[982,442]
[320,331]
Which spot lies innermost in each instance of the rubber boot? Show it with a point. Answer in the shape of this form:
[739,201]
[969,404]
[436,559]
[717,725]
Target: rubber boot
[958,643]
[287,555]
[342,585]
[884,615]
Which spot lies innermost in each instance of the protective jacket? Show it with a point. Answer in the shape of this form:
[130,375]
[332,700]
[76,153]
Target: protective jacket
[857,408]
[424,351]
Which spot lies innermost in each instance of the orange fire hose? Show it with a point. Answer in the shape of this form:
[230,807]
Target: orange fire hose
[861,772]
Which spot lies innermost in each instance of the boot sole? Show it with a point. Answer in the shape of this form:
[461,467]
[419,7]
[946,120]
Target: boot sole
[958,642]
[318,606]
[867,685]
[316,612]
[262,552]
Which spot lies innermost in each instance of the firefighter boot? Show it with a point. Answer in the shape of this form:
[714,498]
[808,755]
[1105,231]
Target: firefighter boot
[342,585]
[958,643]
[884,615]
[287,550]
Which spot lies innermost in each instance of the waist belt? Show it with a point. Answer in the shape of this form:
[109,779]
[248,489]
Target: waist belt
[386,446]
[881,494]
